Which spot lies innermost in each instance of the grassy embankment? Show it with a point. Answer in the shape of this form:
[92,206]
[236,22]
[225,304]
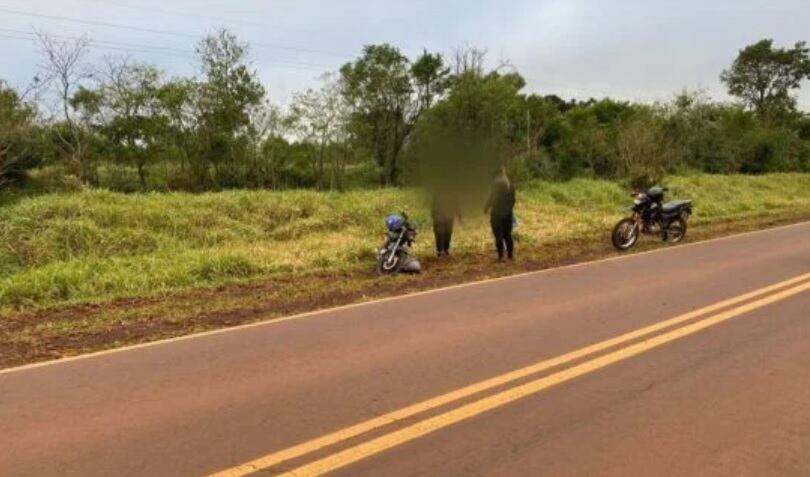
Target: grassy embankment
[95,269]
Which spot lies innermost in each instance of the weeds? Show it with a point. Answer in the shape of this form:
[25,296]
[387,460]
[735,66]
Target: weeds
[91,246]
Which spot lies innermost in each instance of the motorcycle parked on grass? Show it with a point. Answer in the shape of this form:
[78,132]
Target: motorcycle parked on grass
[394,255]
[652,217]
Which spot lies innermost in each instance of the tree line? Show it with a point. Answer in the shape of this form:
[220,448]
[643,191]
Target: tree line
[383,119]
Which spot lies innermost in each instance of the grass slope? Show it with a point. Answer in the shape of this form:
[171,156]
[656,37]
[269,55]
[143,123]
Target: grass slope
[94,246]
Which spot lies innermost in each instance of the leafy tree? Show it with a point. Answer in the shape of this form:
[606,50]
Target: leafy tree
[583,141]
[135,121]
[471,131]
[387,94]
[321,117]
[226,100]
[177,100]
[276,151]
[763,76]
[582,144]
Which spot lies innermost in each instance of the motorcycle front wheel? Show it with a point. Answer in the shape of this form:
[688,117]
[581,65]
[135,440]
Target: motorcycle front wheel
[625,234]
[676,231]
[387,265]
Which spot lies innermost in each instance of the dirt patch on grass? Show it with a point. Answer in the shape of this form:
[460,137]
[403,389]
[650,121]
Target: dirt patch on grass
[55,333]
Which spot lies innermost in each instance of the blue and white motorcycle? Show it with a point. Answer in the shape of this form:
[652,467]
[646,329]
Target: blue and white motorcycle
[394,255]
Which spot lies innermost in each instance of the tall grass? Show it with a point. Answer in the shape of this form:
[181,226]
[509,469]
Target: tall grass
[96,245]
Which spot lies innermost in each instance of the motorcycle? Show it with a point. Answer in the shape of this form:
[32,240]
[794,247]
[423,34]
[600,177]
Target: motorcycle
[652,217]
[394,255]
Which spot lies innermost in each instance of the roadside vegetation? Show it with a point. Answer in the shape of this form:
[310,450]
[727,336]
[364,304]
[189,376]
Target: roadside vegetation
[92,246]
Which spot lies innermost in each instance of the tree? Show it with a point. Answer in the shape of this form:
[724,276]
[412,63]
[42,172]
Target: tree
[177,100]
[644,154]
[467,134]
[321,117]
[226,100]
[64,72]
[386,94]
[16,124]
[763,76]
[533,118]
[130,114]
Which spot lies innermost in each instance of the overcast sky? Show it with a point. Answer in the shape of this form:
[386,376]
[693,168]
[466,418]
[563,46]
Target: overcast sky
[632,49]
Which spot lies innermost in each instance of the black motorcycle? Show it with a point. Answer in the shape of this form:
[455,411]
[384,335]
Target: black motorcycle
[652,217]
[394,255]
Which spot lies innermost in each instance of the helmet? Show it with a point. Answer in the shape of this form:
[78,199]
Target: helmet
[394,222]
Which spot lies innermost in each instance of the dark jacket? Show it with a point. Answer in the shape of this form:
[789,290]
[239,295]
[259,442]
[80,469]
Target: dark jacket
[501,201]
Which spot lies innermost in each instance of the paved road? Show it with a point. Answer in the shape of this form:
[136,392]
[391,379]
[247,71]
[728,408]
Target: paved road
[691,361]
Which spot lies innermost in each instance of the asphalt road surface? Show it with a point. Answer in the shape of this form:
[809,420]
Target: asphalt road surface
[689,361]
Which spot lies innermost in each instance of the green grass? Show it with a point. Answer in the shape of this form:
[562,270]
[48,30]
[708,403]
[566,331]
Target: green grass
[91,246]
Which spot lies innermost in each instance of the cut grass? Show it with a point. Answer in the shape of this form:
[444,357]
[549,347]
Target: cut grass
[96,246]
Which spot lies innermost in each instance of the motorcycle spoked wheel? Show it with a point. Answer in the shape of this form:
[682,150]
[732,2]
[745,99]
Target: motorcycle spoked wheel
[625,234]
[389,267]
[676,231]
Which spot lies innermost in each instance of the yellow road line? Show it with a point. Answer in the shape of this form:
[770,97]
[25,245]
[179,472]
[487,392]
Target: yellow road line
[313,445]
[427,426]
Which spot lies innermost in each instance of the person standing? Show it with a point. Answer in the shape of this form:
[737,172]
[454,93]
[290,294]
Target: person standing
[444,211]
[501,206]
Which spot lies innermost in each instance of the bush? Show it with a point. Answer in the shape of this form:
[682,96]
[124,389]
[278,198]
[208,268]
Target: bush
[773,150]
[643,153]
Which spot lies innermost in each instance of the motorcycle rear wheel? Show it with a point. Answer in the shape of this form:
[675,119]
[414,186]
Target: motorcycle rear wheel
[676,231]
[625,234]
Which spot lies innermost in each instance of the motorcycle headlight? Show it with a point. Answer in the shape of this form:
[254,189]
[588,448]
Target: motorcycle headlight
[637,201]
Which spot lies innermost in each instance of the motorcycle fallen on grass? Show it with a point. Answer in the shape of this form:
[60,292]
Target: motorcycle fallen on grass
[394,256]
[651,216]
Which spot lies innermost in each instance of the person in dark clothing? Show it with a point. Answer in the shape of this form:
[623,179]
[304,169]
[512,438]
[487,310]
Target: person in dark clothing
[501,206]
[444,210]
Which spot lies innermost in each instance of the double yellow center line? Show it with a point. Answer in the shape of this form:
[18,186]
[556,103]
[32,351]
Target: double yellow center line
[638,341]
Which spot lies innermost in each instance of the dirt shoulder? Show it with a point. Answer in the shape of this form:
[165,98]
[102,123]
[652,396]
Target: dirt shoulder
[68,331]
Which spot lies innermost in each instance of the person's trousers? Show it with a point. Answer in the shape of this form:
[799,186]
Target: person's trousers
[443,231]
[502,231]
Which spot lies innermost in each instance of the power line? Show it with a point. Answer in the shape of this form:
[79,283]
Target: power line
[158,31]
[162,49]
[93,44]
[195,15]
[136,48]
[157,48]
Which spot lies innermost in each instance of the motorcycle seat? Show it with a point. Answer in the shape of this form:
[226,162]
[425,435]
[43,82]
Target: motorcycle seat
[675,205]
